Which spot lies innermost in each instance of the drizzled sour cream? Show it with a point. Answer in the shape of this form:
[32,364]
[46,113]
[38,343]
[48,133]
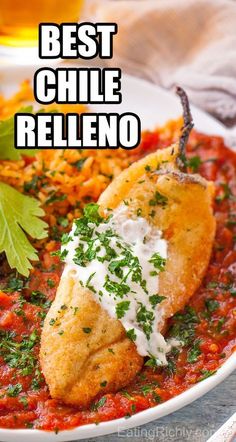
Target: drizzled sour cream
[119,260]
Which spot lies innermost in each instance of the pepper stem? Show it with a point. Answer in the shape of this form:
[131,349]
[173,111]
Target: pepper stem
[185,130]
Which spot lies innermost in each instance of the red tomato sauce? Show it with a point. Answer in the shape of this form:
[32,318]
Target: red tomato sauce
[207,325]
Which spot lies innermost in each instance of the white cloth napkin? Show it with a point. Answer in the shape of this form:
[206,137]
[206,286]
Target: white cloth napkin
[191,43]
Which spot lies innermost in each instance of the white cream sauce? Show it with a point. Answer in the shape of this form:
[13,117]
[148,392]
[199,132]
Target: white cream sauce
[143,241]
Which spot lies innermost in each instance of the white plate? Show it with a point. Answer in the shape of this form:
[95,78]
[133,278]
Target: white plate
[154,106]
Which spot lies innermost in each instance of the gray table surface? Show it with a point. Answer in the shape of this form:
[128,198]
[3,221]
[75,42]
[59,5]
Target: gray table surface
[194,423]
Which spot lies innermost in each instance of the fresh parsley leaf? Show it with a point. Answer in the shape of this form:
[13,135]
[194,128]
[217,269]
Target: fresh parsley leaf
[15,284]
[7,148]
[194,352]
[184,325]
[194,163]
[19,214]
[87,330]
[7,145]
[91,213]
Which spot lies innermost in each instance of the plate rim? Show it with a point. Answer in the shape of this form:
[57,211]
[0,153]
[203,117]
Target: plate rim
[150,414]
[138,419]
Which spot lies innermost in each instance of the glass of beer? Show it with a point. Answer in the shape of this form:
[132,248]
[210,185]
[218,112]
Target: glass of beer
[19,20]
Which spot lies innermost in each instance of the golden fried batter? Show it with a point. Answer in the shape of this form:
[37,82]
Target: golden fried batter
[85,352]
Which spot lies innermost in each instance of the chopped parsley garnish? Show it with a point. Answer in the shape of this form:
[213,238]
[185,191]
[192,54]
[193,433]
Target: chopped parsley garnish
[184,325]
[156,397]
[88,285]
[158,200]
[98,239]
[19,354]
[131,334]
[151,362]
[61,253]
[79,164]
[127,395]
[225,194]
[158,262]
[194,163]
[91,213]
[87,330]
[63,221]
[146,389]
[75,310]
[171,367]
[54,197]
[50,283]
[156,299]
[122,308]
[7,148]
[120,289]
[14,390]
[206,374]
[39,298]
[99,404]
[111,350]
[33,184]
[220,324]
[139,211]
[211,305]
[212,285]
[145,318]
[24,401]
[65,238]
